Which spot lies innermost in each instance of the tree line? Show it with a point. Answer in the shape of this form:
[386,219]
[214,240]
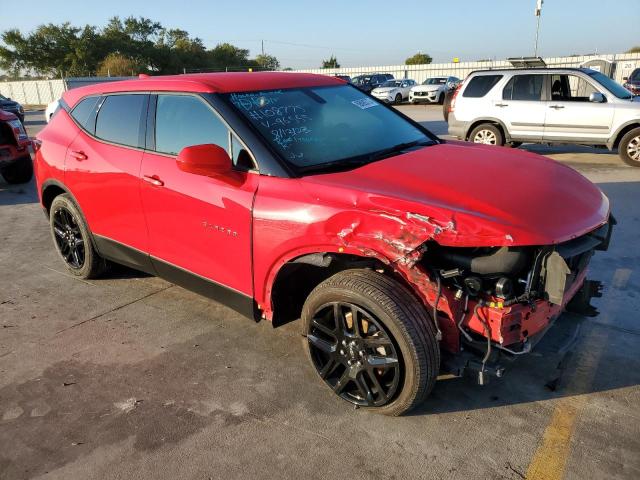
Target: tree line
[123,47]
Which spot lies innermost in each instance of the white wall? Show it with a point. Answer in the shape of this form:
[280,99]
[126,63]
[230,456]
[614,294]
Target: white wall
[41,92]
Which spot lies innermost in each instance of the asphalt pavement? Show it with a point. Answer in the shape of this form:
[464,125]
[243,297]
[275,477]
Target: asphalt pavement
[129,376]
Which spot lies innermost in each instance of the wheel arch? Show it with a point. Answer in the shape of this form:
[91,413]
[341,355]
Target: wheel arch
[494,121]
[50,190]
[295,276]
[614,142]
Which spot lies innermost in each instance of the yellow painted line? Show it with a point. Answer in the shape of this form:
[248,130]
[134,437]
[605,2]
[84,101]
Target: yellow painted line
[549,462]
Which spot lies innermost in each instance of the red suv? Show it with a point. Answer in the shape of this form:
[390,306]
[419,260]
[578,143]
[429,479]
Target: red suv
[291,196]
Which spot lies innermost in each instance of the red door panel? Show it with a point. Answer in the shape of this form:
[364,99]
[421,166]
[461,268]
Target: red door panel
[200,224]
[105,179]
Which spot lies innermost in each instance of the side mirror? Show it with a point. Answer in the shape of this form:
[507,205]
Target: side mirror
[209,160]
[625,78]
[597,97]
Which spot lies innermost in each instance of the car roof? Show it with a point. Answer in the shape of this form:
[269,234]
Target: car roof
[225,82]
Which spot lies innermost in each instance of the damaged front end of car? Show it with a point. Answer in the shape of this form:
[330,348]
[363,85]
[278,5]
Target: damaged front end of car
[488,303]
[493,303]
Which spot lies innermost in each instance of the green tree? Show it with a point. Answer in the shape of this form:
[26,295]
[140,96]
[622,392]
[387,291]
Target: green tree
[267,62]
[635,49]
[419,59]
[226,56]
[136,43]
[118,65]
[331,63]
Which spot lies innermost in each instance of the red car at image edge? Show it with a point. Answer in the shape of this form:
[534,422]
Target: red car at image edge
[288,196]
[15,150]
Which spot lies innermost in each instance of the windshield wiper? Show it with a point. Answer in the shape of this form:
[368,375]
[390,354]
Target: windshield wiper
[358,161]
[387,152]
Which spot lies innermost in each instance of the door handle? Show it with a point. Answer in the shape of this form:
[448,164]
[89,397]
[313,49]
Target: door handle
[78,155]
[153,180]
[502,104]
[556,107]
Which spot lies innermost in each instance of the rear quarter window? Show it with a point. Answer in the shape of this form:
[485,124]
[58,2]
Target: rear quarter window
[120,119]
[480,85]
[84,111]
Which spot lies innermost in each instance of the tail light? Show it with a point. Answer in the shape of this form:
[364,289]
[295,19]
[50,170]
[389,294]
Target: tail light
[452,105]
[18,131]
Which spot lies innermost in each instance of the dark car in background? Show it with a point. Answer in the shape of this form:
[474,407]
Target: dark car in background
[632,83]
[346,78]
[15,150]
[12,106]
[368,82]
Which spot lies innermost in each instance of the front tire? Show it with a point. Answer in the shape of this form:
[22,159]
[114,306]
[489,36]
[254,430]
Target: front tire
[398,99]
[629,148]
[487,134]
[371,341]
[72,239]
[20,171]
[441,99]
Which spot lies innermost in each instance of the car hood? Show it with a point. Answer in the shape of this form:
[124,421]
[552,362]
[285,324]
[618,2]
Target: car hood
[463,194]
[426,88]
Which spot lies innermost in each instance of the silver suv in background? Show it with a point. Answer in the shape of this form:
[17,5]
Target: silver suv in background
[547,105]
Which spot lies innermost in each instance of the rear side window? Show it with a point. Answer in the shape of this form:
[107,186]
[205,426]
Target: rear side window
[523,87]
[120,118]
[480,85]
[84,111]
[184,120]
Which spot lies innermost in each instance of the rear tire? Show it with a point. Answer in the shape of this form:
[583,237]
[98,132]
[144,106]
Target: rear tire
[487,134]
[72,239]
[389,323]
[629,148]
[20,171]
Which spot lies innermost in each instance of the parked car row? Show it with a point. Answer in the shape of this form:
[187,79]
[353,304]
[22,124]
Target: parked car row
[388,89]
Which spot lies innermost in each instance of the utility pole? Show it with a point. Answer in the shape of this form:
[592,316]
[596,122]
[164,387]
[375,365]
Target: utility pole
[538,13]
[262,42]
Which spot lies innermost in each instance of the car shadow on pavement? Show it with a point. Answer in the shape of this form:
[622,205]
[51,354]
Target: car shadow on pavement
[604,355]
[17,194]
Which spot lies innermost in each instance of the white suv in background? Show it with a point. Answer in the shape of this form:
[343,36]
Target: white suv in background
[547,105]
[393,91]
[432,90]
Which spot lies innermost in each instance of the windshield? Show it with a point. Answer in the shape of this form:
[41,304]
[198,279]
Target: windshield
[614,87]
[391,83]
[320,128]
[2,97]
[435,81]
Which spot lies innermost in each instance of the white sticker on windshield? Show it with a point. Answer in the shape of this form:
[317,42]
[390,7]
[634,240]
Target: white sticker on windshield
[364,103]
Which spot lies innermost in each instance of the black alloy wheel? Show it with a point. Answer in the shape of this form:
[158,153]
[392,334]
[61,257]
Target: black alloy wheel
[68,237]
[73,239]
[354,354]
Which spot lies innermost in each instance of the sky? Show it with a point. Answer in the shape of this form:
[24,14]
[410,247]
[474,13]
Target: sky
[376,32]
